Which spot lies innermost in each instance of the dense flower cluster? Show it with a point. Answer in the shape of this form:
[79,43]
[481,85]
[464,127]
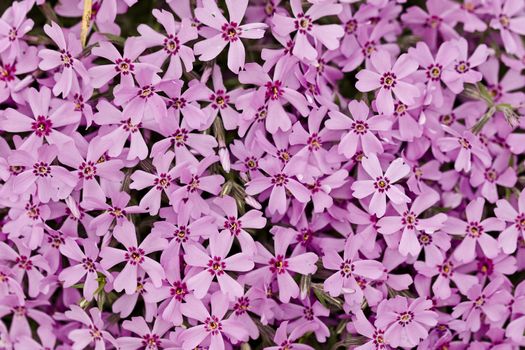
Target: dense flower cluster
[262,174]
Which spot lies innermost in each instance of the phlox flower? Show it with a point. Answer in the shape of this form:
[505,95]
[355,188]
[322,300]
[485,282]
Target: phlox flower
[135,257]
[304,26]
[284,339]
[214,266]
[405,321]
[213,325]
[14,77]
[475,231]
[508,19]
[22,311]
[381,185]
[147,337]
[67,58]
[505,211]
[92,331]
[13,27]
[487,179]
[226,32]
[389,79]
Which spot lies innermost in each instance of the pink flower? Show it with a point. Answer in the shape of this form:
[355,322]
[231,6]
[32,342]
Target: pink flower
[44,122]
[147,337]
[284,339]
[13,27]
[226,32]
[488,178]
[135,257]
[278,266]
[507,19]
[213,326]
[405,321]
[67,58]
[381,186]
[474,230]
[93,330]
[304,26]
[414,229]
[214,266]
[506,212]
[389,79]
[360,130]
[172,43]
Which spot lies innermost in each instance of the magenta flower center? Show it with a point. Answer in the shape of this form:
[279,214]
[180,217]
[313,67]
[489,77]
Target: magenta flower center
[379,339]
[491,175]
[504,20]
[308,313]
[382,184]
[124,66]
[368,48]
[162,182]
[388,80]
[241,306]
[42,126]
[146,91]
[20,311]
[251,163]
[87,170]
[520,222]
[212,325]
[425,239]
[219,100]
[24,262]
[231,31]
[94,332]
[41,169]
[181,233]
[303,23]
[278,264]
[178,103]
[179,291]
[447,119]
[474,229]
[216,266]
[32,211]
[129,127]
[359,127]
[409,219]
[135,256]
[179,137]
[434,72]
[151,341]
[400,109]
[66,58]
[464,143]
[346,268]
[273,90]
[283,155]
[486,266]
[13,34]
[480,301]
[462,67]
[314,142]
[171,44]
[233,225]
[351,26]
[7,72]
[88,264]
[433,22]
[194,184]
[280,179]
[405,318]
[117,212]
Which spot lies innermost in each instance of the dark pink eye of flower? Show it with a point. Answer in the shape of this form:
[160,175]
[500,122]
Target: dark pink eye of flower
[216,266]
[78,100]
[379,339]
[388,80]
[315,186]
[283,155]
[368,48]
[146,91]
[382,184]
[194,184]
[474,229]
[447,119]
[219,100]
[94,332]
[181,233]
[520,222]
[66,58]
[405,318]
[424,239]
[88,264]
[280,179]
[151,341]
[351,26]
[308,313]
[124,66]
[278,264]
[13,34]
[314,142]
[464,143]
[359,127]
[346,268]
[41,169]
[171,44]
[7,72]
[16,169]
[251,163]
[87,170]
[433,22]
[400,109]
[231,31]
[212,325]
[409,220]
[20,311]
[135,256]
[32,211]
[162,182]
[24,263]
[261,114]
[305,237]
[491,175]
[128,126]
[273,90]
[486,266]
[179,137]
[117,212]
[42,126]
[496,91]
[269,9]
[233,225]
[480,301]
[504,20]
[179,291]
[55,240]
[434,72]
[303,23]
[241,306]
[462,67]
[177,103]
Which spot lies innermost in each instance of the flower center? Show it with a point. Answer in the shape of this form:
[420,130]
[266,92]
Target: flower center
[464,143]
[194,184]
[231,31]
[382,184]
[359,127]
[42,126]
[41,169]
[179,137]
[278,264]
[163,181]
[504,21]
[314,142]
[181,233]
[303,23]
[474,229]
[216,266]
[241,306]
[351,26]
[405,318]
[425,239]
[409,220]
[24,263]
[491,175]
[171,44]
[233,225]
[462,67]
[280,179]
[146,91]
[346,268]
[219,100]
[7,72]
[135,256]
[212,325]
[447,119]
[88,264]
[66,58]
[434,72]
[388,80]
[124,66]
[273,90]
[151,341]
[87,170]
[520,222]
[13,34]
[433,22]
[368,48]
[486,266]
[480,301]
[179,291]
[117,212]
